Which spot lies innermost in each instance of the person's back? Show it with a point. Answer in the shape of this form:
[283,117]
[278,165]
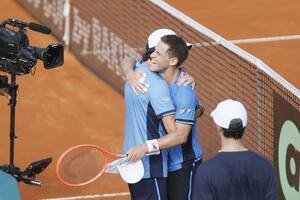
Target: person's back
[235,173]
[242,175]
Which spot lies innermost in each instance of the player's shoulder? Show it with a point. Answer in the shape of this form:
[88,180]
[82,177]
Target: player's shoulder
[186,89]
[141,66]
[187,92]
[209,166]
[260,160]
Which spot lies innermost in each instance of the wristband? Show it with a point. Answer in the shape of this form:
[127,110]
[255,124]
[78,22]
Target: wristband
[152,146]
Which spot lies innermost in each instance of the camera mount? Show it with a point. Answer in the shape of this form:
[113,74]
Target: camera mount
[27,176]
[17,57]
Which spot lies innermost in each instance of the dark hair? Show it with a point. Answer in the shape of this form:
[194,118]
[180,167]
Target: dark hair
[146,55]
[177,47]
[235,130]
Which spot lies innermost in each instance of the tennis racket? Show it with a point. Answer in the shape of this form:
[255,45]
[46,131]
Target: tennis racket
[83,164]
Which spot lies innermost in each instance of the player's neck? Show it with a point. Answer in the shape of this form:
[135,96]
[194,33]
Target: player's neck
[232,145]
[170,74]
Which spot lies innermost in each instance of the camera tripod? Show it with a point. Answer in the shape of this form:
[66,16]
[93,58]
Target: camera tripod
[27,176]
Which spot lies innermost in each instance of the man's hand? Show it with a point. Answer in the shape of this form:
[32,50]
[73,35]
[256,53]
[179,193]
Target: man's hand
[136,80]
[186,79]
[137,153]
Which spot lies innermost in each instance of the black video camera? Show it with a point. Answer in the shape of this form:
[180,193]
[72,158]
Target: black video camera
[17,56]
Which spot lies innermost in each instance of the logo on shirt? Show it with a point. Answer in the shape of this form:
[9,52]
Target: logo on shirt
[166,99]
[184,110]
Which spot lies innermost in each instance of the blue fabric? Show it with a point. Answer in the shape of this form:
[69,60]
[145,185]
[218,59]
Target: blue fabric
[241,175]
[143,113]
[8,187]
[185,100]
[149,189]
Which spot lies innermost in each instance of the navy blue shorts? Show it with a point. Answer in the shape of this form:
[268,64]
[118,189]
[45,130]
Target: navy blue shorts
[149,189]
[180,182]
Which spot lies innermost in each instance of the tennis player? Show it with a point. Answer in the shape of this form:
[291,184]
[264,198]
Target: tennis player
[234,172]
[183,159]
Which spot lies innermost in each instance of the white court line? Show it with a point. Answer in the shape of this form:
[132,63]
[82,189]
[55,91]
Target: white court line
[252,40]
[266,39]
[94,196]
[229,45]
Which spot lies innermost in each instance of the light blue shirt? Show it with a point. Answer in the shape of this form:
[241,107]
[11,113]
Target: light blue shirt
[143,118]
[186,101]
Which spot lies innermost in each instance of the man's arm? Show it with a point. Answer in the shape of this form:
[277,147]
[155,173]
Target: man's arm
[135,78]
[177,134]
[178,131]
[127,65]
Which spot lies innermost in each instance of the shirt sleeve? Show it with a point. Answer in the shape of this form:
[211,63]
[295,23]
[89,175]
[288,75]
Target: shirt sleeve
[186,102]
[160,98]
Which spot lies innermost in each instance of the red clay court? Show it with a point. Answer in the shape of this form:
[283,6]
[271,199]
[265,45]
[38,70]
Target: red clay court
[70,105]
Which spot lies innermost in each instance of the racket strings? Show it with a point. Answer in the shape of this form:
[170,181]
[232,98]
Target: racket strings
[82,165]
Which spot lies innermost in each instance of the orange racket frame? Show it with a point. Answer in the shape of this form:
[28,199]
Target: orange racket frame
[106,162]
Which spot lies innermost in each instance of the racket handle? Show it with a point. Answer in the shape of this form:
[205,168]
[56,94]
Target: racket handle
[147,154]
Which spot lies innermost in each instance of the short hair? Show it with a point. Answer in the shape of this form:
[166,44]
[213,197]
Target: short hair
[235,130]
[147,53]
[177,47]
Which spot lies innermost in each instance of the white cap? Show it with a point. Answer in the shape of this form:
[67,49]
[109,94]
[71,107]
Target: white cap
[228,110]
[131,172]
[155,36]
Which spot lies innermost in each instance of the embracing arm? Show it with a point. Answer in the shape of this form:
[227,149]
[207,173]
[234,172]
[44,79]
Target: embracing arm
[177,134]
[127,65]
[186,79]
[135,78]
